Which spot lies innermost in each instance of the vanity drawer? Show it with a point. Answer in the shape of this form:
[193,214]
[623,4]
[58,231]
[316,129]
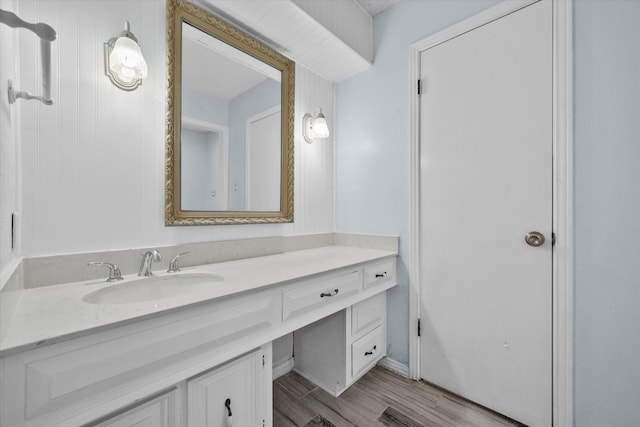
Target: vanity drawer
[366,351]
[367,314]
[302,299]
[382,272]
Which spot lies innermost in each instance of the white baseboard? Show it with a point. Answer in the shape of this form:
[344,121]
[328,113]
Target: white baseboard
[286,366]
[283,368]
[394,366]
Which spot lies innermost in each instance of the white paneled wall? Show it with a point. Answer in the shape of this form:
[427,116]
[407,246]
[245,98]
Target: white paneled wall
[314,191]
[93,164]
[8,140]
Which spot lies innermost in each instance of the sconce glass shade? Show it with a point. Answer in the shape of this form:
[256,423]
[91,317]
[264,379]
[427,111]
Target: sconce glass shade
[320,127]
[124,63]
[314,127]
[126,59]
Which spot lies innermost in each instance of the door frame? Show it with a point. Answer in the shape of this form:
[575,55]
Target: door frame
[247,144]
[223,163]
[562,198]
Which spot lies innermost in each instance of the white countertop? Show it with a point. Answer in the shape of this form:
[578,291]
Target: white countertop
[51,314]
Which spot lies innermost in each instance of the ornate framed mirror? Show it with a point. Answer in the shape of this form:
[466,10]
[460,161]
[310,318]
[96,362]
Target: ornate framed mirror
[230,120]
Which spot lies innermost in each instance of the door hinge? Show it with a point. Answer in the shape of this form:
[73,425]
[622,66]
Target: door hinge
[418,327]
[263,360]
[553,239]
[419,87]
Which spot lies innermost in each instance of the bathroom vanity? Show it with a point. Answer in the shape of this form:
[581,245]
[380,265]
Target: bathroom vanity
[197,358]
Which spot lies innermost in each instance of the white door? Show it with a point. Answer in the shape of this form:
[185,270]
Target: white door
[264,161]
[485,182]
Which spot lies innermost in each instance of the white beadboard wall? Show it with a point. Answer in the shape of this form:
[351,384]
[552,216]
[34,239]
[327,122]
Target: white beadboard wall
[8,142]
[93,163]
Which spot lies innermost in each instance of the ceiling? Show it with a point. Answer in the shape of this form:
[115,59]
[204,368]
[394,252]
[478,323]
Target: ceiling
[375,6]
[333,38]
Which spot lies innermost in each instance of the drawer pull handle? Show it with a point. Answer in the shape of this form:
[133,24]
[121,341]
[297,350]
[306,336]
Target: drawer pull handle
[329,294]
[373,350]
[383,274]
[227,404]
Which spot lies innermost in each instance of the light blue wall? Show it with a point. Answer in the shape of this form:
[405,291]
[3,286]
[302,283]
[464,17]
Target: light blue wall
[607,212]
[201,106]
[373,182]
[372,140]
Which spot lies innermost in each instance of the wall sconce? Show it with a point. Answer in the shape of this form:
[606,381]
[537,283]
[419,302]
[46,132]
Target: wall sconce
[123,61]
[314,127]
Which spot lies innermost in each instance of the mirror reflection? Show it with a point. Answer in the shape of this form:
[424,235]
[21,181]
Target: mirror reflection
[230,127]
[230,124]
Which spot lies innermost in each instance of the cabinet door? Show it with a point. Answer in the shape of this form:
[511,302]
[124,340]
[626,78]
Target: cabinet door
[228,396]
[156,412]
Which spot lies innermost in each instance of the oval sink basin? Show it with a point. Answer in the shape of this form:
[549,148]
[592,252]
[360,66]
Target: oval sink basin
[152,288]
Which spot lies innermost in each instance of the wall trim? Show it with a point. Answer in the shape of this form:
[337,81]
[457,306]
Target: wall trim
[283,368]
[562,335]
[563,253]
[394,366]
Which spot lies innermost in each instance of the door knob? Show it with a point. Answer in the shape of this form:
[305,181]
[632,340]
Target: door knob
[534,238]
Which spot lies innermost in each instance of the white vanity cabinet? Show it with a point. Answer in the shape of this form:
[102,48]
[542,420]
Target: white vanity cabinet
[75,382]
[337,350]
[178,367]
[234,394]
[237,394]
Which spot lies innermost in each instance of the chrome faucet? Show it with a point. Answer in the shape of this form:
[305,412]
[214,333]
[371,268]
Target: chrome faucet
[173,265]
[114,271]
[147,259]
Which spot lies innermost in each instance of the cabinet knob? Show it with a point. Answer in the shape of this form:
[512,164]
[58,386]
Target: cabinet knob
[383,274]
[329,294]
[370,352]
[227,404]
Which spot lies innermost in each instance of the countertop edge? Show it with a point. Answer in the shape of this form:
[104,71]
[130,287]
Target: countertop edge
[62,337]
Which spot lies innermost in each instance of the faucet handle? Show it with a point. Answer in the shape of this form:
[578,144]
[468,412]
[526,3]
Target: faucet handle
[114,271]
[173,265]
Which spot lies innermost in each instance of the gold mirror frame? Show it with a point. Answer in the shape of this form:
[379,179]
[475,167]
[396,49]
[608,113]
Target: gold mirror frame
[179,11]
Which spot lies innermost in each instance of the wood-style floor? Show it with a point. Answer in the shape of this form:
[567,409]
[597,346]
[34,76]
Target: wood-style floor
[380,398]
